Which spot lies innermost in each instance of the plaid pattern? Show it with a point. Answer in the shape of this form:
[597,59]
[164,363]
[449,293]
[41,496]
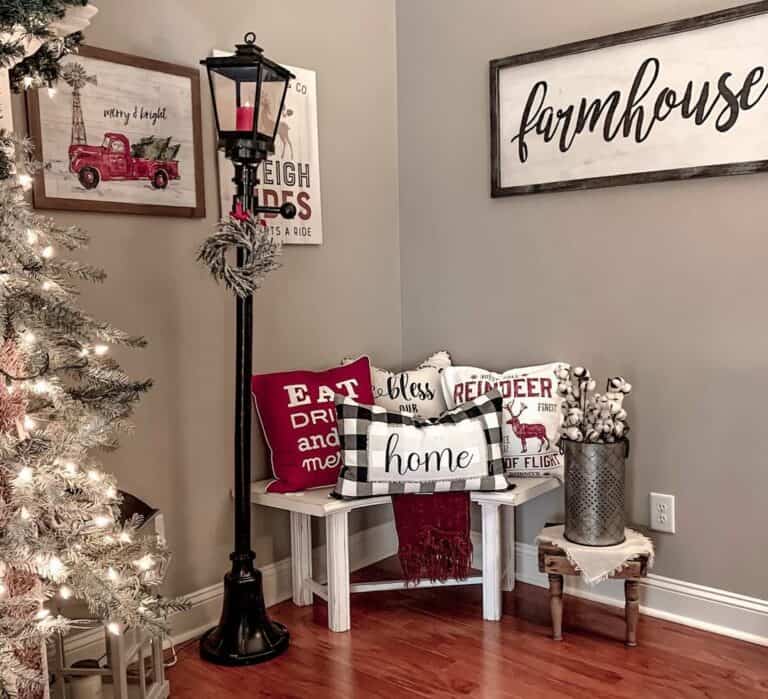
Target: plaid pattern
[354,421]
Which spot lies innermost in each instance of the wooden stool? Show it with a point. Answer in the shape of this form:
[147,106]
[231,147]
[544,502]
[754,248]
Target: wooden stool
[554,562]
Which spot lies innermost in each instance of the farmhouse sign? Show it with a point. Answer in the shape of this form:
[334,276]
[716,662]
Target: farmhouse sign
[672,101]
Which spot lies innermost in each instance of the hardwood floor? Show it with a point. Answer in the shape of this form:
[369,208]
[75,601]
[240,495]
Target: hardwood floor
[433,643]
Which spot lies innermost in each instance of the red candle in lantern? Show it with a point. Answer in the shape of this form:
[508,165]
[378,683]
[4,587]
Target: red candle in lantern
[244,118]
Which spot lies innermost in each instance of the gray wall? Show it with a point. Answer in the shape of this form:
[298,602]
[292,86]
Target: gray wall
[494,281]
[513,281]
[180,457]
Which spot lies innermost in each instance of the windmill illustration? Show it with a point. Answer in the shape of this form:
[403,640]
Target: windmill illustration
[76,77]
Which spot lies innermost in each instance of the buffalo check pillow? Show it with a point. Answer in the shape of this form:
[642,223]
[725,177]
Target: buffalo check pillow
[417,391]
[532,413]
[388,453]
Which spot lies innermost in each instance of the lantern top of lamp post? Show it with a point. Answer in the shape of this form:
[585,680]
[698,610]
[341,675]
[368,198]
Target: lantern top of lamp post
[249,53]
[244,75]
[249,47]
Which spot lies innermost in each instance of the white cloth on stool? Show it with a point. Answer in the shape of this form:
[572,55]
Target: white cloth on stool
[596,563]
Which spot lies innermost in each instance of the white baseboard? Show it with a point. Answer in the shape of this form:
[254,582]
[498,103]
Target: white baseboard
[365,548]
[707,608]
[718,611]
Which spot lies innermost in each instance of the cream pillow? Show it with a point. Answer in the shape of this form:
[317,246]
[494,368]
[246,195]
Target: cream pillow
[532,413]
[416,391]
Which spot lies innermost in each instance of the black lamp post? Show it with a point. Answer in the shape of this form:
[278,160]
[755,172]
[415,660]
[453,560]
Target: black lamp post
[248,93]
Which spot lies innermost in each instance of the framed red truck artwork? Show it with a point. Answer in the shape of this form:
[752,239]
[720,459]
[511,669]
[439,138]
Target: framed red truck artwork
[119,134]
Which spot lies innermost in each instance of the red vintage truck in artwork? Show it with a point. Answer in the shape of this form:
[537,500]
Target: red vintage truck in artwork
[112,160]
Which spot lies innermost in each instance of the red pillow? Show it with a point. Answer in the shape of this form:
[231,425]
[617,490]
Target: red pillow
[298,417]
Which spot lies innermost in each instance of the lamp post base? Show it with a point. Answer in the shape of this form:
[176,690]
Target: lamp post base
[245,634]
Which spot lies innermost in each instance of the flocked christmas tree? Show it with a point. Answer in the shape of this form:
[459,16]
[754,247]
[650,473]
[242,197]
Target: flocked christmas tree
[37,24]
[63,400]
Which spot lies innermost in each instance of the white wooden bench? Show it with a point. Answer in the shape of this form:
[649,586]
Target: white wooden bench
[498,536]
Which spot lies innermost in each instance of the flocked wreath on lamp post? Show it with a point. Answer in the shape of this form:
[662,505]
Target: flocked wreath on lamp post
[246,88]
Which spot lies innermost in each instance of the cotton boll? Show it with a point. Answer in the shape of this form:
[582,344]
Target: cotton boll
[591,385]
[593,436]
[562,373]
[575,434]
[608,426]
[621,415]
[619,385]
[579,371]
[619,428]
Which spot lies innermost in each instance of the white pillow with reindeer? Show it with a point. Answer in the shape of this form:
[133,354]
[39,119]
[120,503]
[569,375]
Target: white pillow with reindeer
[532,413]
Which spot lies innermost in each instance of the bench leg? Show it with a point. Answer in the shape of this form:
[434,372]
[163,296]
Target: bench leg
[158,666]
[491,561]
[301,558]
[556,605]
[337,543]
[508,547]
[632,610]
[119,664]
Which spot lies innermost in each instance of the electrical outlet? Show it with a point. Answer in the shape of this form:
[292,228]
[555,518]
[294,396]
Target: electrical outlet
[663,513]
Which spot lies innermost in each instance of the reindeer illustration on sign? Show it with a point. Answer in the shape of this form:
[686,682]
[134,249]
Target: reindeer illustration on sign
[283,129]
[525,431]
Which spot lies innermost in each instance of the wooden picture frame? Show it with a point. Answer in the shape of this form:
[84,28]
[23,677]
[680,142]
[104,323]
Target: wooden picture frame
[674,43]
[148,181]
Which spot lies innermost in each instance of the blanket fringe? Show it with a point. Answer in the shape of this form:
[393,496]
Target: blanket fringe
[437,555]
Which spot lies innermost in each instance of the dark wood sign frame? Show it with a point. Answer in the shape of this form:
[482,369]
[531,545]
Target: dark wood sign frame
[636,35]
[42,201]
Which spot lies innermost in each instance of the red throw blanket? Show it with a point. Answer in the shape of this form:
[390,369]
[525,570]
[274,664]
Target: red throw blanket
[433,531]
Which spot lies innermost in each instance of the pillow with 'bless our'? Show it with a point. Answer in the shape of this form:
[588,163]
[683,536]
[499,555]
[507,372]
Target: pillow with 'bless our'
[416,391]
[532,413]
[298,417]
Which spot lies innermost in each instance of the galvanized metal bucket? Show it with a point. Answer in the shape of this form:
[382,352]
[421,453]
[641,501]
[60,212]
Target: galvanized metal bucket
[594,492]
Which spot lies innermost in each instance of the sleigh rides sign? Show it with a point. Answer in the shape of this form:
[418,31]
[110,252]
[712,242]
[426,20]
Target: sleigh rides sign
[292,172]
[668,102]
